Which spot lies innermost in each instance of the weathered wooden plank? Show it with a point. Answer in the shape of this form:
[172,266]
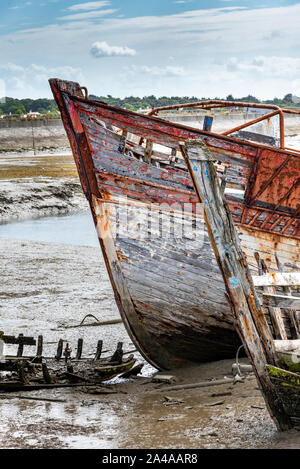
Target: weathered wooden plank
[250,321]
[278,279]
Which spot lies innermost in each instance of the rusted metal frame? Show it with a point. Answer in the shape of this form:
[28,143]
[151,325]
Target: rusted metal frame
[267,208]
[105,109]
[259,119]
[252,178]
[86,94]
[291,221]
[269,181]
[276,222]
[254,218]
[250,321]
[290,111]
[147,183]
[253,121]
[296,231]
[280,202]
[218,102]
[255,228]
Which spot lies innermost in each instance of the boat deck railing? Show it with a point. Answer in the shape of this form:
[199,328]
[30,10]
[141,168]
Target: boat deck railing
[215,103]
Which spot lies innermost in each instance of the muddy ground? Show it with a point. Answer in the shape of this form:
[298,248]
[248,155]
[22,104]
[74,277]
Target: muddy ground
[38,186]
[46,286]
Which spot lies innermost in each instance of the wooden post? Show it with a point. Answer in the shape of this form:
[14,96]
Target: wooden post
[21,346]
[59,349]
[39,351]
[99,350]
[148,151]
[79,349]
[249,318]
[46,374]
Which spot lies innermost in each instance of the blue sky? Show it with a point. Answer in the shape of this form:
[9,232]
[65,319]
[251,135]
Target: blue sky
[162,47]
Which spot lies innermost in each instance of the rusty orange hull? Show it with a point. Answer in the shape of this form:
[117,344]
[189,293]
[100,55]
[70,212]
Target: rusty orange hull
[167,285]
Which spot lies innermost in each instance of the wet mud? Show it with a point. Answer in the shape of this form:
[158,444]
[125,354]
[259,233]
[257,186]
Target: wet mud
[38,186]
[46,286]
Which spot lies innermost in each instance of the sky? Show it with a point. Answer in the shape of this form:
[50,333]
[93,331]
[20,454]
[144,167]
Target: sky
[208,48]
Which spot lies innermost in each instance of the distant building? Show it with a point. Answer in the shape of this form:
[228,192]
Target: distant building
[33,115]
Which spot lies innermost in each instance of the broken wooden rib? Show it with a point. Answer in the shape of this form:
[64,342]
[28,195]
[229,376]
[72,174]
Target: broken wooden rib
[170,294]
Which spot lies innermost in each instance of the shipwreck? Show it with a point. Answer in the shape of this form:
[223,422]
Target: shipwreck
[170,289]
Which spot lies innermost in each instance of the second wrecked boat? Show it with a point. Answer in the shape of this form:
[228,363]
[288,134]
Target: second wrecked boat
[167,284]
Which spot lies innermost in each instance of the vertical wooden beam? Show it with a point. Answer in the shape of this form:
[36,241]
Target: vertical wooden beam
[59,349]
[249,318]
[99,350]
[39,351]
[79,349]
[295,330]
[21,346]
[275,313]
[148,151]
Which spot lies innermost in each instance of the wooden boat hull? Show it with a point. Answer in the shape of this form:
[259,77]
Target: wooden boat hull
[168,288]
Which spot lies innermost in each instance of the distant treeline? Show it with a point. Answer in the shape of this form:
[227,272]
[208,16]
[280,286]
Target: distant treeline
[23,106]
[134,103]
[44,106]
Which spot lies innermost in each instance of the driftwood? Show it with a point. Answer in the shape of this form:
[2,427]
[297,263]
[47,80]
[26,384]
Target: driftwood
[250,321]
[203,384]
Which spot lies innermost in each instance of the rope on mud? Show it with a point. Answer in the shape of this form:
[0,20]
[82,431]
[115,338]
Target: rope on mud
[97,323]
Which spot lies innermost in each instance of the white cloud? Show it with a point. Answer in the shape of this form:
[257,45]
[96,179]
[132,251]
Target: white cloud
[167,71]
[280,67]
[87,15]
[33,80]
[214,51]
[102,49]
[16,7]
[89,6]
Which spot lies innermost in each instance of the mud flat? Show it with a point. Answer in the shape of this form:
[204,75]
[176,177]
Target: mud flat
[46,286]
[38,186]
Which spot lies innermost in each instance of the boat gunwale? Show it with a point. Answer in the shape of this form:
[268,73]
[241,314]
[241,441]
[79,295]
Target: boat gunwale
[205,133]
